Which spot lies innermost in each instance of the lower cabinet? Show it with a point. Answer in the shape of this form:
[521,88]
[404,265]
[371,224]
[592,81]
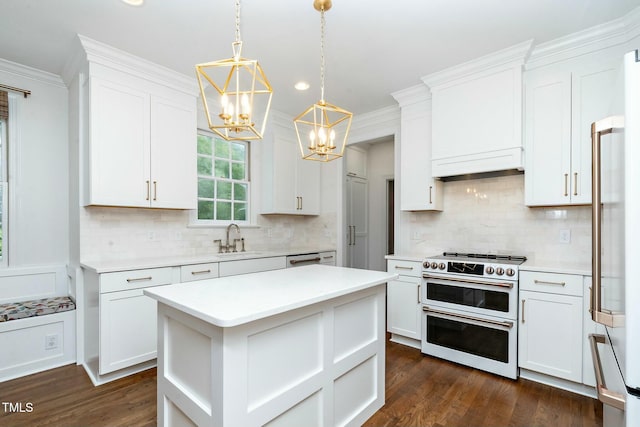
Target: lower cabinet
[551,324]
[128,323]
[403,302]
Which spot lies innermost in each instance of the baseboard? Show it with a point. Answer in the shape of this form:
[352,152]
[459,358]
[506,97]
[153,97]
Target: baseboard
[571,386]
[406,341]
[91,367]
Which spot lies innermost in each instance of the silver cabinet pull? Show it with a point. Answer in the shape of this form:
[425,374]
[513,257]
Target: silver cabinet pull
[605,395]
[400,267]
[139,279]
[431,194]
[466,317]
[155,190]
[418,301]
[566,184]
[301,202]
[201,272]
[546,282]
[599,128]
[575,183]
[475,282]
[327,257]
[523,311]
[148,190]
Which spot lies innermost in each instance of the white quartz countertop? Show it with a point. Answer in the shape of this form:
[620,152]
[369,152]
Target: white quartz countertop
[236,300]
[108,266]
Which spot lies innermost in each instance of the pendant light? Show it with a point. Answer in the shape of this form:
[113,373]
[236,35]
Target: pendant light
[322,129]
[236,93]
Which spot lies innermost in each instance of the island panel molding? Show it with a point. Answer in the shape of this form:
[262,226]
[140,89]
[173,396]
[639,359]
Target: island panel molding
[312,354]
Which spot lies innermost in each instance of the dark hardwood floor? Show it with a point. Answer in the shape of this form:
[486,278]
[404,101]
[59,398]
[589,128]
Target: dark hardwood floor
[420,391]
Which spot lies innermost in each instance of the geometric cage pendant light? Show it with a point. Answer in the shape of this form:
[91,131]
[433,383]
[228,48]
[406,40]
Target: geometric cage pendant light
[236,93]
[323,128]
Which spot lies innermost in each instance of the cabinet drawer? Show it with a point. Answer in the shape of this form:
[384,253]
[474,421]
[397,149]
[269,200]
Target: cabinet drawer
[189,273]
[554,283]
[232,268]
[328,258]
[134,279]
[404,268]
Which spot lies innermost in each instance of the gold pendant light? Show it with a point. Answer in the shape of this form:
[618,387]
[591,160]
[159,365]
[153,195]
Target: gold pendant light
[237,105]
[322,129]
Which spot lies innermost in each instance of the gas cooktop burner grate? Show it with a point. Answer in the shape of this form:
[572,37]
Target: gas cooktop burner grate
[485,256]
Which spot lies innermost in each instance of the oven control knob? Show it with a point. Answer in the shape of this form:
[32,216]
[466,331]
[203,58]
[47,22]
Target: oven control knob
[434,265]
[441,266]
[490,270]
[499,271]
[426,264]
[510,272]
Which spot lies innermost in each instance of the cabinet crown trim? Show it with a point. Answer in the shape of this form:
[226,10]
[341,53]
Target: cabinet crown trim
[96,52]
[505,58]
[412,95]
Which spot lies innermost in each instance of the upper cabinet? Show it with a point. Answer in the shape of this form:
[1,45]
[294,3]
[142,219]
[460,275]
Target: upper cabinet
[291,184]
[561,102]
[137,131]
[355,162]
[477,114]
[418,189]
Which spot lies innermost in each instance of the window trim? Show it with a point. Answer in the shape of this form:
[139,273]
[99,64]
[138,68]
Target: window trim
[195,222]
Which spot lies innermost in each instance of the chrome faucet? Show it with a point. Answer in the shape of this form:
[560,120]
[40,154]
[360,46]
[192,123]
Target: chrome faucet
[226,248]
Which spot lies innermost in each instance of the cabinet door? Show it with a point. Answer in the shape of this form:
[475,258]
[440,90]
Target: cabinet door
[547,139]
[403,307]
[308,185]
[173,153]
[355,162]
[357,223]
[592,94]
[128,329]
[418,189]
[550,334]
[119,145]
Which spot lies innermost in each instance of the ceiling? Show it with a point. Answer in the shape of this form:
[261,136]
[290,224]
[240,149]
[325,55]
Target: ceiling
[373,48]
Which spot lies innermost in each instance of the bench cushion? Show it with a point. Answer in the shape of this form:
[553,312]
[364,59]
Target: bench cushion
[21,310]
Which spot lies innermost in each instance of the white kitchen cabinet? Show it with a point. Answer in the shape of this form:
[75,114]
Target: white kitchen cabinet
[355,162]
[328,258]
[477,114]
[192,272]
[136,131]
[419,191]
[357,217]
[127,318]
[550,337]
[141,146]
[244,266]
[291,185]
[403,302]
[560,105]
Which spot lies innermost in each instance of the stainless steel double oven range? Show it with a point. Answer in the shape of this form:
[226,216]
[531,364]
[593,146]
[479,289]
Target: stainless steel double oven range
[470,310]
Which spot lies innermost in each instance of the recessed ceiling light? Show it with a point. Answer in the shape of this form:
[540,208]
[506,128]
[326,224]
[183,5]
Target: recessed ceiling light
[302,86]
[134,2]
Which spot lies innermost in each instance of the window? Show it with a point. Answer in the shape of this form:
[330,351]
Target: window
[223,180]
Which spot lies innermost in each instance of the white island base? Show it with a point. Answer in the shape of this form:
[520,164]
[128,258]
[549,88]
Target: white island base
[295,347]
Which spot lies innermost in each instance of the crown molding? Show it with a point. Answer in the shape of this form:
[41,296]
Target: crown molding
[598,37]
[412,95]
[375,124]
[506,58]
[93,51]
[30,73]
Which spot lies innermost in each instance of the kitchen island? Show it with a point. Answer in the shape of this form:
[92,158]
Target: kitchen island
[301,346]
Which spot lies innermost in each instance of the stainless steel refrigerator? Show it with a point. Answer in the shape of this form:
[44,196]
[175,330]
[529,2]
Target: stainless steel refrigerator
[615,294]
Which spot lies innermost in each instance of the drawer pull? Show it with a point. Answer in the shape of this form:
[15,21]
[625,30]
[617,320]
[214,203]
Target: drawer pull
[523,310]
[546,282]
[399,267]
[140,279]
[201,272]
[328,257]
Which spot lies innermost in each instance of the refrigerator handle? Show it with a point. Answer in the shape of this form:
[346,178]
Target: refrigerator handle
[605,395]
[599,128]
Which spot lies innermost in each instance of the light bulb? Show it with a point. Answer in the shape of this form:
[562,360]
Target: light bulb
[322,136]
[246,108]
[224,100]
[230,108]
[312,139]
[332,138]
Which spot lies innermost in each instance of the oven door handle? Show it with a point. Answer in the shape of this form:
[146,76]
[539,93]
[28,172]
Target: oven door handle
[471,281]
[466,317]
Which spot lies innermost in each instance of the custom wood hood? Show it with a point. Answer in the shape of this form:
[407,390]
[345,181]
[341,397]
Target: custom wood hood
[477,114]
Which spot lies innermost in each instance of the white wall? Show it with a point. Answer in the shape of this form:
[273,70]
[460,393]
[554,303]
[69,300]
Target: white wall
[38,216]
[380,163]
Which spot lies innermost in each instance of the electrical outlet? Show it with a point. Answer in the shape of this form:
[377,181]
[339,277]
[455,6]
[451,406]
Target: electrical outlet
[564,236]
[151,235]
[269,232]
[51,341]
